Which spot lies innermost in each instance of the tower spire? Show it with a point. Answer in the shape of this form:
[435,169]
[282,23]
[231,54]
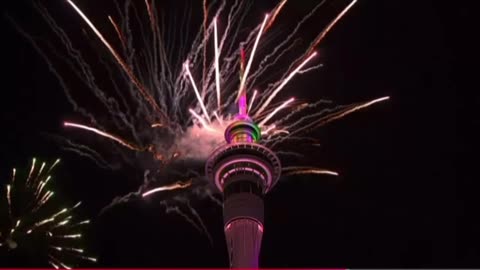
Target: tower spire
[242,101]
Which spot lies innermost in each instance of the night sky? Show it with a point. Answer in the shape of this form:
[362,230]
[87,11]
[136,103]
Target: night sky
[400,200]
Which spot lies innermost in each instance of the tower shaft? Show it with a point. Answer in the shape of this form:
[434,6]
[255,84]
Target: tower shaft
[243,213]
[244,239]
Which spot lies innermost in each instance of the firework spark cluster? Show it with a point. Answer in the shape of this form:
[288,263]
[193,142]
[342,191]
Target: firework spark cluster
[172,96]
[35,217]
[163,91]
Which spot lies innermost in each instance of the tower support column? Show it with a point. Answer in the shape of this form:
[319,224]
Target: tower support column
[244,239]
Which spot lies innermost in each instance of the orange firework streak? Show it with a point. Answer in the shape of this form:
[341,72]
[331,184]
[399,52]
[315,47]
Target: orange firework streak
[177,185]
[275,14]
[106,135]
[322,35]
[126,68]
[311,171]
[156,125]
[119,32]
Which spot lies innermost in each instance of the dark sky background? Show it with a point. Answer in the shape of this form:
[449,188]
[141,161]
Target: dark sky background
[401,200]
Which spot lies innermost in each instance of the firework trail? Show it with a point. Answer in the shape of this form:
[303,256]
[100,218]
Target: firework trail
[306,170]
[169,187]
[104,134]
[172,101]
[33,213]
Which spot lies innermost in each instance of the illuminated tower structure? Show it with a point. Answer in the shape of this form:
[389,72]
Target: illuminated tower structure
[244,171]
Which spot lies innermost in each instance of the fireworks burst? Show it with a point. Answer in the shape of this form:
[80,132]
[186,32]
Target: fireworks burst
[173,100]
[34,215]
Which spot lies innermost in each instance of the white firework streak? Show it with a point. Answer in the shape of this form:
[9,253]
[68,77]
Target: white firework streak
[196,215]
[176,209]
[158,93]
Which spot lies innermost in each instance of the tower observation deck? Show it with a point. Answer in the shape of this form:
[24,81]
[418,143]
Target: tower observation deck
[244,171]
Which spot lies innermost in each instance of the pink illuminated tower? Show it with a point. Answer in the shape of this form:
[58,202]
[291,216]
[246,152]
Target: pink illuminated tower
[244,171]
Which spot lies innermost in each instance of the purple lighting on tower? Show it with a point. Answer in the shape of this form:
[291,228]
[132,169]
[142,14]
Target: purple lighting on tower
[242,107]
[244,171]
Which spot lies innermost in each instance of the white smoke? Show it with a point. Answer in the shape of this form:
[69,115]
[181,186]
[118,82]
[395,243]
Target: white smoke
[199,142]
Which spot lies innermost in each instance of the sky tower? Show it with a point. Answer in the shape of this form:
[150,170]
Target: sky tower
[244,171]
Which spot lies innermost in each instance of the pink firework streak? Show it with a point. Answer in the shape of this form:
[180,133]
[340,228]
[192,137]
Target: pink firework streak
[173,97]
